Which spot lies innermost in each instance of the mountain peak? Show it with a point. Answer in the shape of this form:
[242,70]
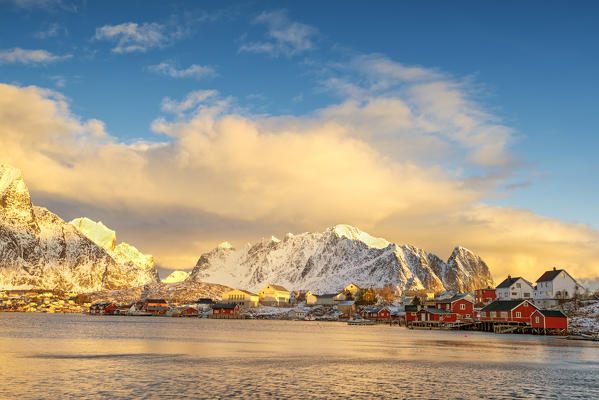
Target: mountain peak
[99,233]
[8,174]
[353,233]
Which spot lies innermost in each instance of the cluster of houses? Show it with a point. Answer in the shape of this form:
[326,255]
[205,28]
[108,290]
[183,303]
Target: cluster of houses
[41,301]
[513,304]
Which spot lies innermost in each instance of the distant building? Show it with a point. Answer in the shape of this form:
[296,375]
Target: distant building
[351,288]
[347,307]
[514,289]
[327,299]
[462,305]
[310,298]
[273,295]
[555,285]
[244,298]
[102,308]
[296,314]
[155,306]
[484,296]
[225,311]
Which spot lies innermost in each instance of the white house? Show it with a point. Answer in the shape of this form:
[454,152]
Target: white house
[555,285]
[514,289]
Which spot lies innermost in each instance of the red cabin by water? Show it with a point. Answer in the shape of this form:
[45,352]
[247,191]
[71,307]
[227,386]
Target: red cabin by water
[507,311]
[548,319]
[225,310]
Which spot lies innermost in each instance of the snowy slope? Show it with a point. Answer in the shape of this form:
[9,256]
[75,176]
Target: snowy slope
[328,261]
[40,250]
[176,276]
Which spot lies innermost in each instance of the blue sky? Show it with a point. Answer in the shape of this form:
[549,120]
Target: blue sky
[530,67]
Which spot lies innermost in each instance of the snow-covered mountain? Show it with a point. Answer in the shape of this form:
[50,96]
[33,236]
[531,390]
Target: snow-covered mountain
[328,261]
[40,250]
[176,276]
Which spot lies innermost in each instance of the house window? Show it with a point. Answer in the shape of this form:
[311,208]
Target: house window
[518,314]
[518,285]
[493,314]
[548,293]
[504,314]
[563,275]
[526,294]
[514,294]
[483,313]
[467,315]
[462,306]
[537,319]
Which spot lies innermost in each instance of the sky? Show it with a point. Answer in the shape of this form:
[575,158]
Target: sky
[185,124]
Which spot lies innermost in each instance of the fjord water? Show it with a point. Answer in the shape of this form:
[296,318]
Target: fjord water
[54,356]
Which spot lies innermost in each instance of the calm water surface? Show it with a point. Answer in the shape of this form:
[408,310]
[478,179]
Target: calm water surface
[54,356]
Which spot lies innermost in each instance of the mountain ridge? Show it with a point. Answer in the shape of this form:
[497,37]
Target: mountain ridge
[328,261]
[39,250]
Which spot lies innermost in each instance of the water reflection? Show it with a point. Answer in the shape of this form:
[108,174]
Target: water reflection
[77,356]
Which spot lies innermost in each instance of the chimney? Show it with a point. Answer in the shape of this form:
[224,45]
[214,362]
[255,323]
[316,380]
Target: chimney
[509,277]
[554,268]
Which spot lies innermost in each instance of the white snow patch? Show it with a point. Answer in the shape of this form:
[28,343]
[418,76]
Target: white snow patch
[353,233]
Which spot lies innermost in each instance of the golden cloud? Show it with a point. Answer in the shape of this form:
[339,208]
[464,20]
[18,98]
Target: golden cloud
[290,173]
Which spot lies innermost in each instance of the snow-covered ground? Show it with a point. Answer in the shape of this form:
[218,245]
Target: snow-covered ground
[585,319]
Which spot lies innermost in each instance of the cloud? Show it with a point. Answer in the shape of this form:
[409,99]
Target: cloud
[283,36]
[131,37]
[24,56]
[193,71]
[51,31]
[50,5]
[394,162]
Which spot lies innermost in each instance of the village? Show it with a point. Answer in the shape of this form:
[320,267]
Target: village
[514,306]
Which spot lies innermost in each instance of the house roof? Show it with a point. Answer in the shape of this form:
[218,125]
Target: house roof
[346,303]
[205,301]
[502,305]
[509,281]
[549,275]
[411,308]
[552,313]
[156,300]
[327,295]
[278,287]
[246,292]
[225,305]
[434,310]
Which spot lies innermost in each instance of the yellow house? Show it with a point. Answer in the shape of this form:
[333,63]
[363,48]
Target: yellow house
[241,297]
[311,298]
[352,288]
[274,295]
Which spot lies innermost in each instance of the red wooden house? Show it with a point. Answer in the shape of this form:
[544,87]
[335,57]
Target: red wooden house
[548,319]
[189,312]
[433,314]
[102,308]
[375,313]
[411,313]
[507,311]
[155,306]
[460,304]
[225,310]
[485,296]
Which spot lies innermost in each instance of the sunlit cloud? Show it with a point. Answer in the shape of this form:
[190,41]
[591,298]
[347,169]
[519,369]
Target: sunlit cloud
[397,161]
[18,55]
